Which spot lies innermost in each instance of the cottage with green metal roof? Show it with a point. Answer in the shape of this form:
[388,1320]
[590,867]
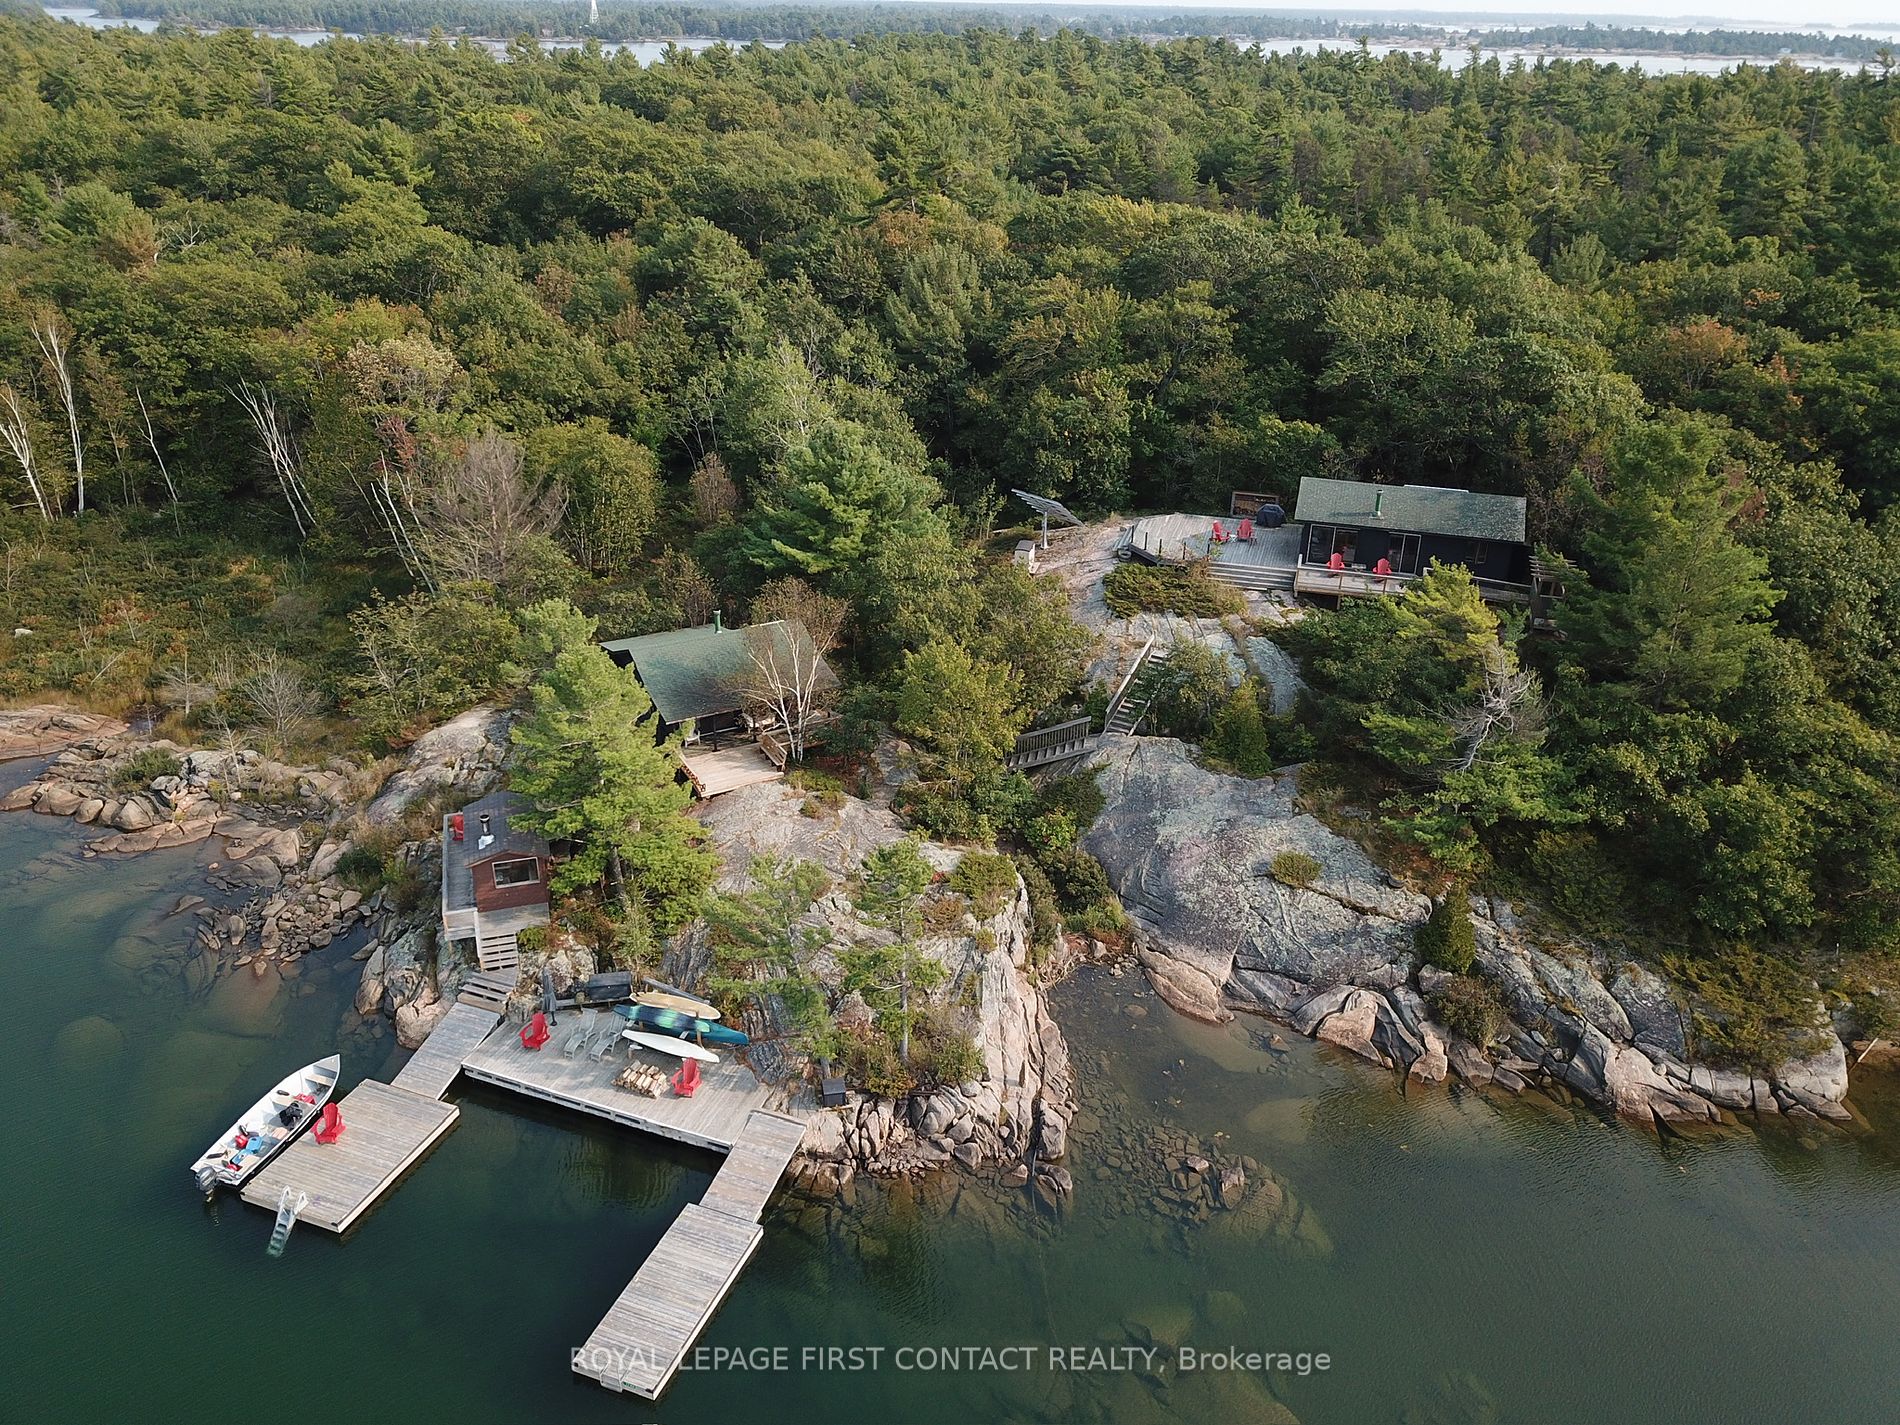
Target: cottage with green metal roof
[1360,537]
[731,690]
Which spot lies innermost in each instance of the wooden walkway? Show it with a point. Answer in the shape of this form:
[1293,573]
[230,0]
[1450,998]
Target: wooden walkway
[714,1117]
[641,1341]
[755,1164]
[385,1131]
[433,1067]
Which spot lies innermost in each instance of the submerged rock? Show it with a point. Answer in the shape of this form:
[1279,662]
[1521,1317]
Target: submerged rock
[88,1043]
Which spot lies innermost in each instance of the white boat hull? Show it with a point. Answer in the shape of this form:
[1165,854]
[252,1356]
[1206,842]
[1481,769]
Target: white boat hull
[267,1126]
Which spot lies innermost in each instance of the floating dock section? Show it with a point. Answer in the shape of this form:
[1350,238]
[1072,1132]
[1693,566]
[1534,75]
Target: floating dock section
[714,1117]
[640,1343]
[386,1130]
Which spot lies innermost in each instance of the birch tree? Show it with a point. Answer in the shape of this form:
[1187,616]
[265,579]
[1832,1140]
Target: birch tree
[17,433]
[788,681]
[158,456]
[480,516]
[279,452]
[54,341]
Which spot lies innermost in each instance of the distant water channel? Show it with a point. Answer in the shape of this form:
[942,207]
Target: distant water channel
[1459,1260]
[652,51]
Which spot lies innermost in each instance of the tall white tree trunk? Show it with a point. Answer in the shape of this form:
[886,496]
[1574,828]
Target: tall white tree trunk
[151,439]
[49,334]
[19,439]
[279,450]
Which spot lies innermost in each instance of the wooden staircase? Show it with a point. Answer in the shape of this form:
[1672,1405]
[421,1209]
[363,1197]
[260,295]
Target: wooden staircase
[483,990]
[1263,577]
[499,954]
[1138,688]
[1134,704]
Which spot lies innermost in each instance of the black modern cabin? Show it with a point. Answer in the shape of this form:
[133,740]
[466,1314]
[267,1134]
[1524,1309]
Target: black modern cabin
[1349,526]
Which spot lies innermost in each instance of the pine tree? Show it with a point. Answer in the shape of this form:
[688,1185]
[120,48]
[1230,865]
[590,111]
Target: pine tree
[597,777]
[1675,607]
[835,499]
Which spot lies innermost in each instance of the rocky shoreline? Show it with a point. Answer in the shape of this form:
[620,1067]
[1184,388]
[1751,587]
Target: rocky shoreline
[1016,1116]
[1190,852]
[282,895]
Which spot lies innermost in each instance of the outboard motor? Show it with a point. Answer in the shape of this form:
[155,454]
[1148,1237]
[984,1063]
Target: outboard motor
[207,1179]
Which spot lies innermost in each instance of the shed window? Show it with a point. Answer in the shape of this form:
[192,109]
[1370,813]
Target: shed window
[517,873]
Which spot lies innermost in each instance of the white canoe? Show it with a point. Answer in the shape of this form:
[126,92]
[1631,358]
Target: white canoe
[267,1126]
[666,1044]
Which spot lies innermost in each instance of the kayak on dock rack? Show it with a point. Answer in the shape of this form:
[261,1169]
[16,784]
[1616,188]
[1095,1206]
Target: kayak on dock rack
[662,1020]
[267,1126]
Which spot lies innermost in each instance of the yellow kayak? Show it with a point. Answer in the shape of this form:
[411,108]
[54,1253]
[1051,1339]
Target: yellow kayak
[685,1004]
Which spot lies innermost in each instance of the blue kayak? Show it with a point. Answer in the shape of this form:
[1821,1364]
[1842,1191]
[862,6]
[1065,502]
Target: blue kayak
[680,1026]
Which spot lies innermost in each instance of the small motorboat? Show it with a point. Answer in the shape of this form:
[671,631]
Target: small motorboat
[267,1126]
[666,1044]
[670,1021]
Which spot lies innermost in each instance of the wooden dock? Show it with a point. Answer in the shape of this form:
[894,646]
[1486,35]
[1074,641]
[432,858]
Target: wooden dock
[386,1130]
[639,1345]
[755,1164]
[640,1342]
[714,1117]
[433,1067]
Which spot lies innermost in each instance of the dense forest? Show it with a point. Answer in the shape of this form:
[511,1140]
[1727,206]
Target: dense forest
[321,364]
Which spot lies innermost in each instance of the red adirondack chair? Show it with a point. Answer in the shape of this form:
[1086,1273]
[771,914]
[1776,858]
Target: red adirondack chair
[1220,535]
[535,1032]
[686,1078]
[331,1128]
[1246,532]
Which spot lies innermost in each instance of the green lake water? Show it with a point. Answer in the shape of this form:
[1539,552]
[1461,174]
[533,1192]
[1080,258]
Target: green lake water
[1462,1260]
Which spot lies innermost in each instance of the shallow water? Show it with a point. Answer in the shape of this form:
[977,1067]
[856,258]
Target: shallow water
[1458,1259]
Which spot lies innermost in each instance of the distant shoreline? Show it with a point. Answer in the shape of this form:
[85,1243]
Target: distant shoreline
[564,23]
[1446,46]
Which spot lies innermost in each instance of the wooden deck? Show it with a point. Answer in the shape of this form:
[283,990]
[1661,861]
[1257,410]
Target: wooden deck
[714,1117]
[641,1341]
[386,1130]
[1174,539]
[755,1164]
[741,766]
[1313,579]
[433,1067]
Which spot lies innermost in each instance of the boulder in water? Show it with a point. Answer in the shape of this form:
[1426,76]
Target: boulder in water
[89,1042]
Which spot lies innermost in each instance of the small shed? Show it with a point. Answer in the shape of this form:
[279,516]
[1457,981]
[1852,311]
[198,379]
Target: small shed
[494,877]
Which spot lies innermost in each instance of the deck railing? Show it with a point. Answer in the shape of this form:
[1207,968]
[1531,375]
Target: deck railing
[1318,579]
[1052,744]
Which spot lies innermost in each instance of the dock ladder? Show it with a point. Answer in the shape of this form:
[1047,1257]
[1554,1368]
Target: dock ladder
[288,1206]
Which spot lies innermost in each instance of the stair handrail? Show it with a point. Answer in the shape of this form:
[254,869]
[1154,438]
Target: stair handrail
[1115,703]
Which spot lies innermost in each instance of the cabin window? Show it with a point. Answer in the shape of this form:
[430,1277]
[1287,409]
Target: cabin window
[517,873]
